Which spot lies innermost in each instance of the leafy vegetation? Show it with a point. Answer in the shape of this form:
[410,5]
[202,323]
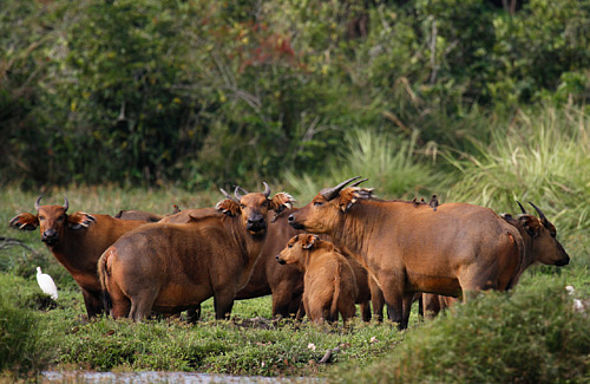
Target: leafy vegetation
[208,92]
[533,335]
[145,104]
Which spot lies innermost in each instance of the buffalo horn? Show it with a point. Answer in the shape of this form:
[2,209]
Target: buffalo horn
[357,183]
[266,189]
[521,207]
[541,215]
[224,192]
[37,202]
[66,204]
[330,193]
[239,194]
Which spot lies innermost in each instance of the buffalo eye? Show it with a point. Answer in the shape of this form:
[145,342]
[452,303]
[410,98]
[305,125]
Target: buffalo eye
[317,203]
[242,206]
[289,245]
[61,218]
[41,217]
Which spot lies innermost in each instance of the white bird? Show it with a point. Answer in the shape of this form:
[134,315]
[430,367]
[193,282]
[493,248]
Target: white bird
[46,284]
[578,304]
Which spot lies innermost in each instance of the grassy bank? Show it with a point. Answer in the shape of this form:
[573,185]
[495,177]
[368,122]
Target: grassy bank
[541,156]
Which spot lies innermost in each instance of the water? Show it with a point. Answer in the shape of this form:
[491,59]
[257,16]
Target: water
[87,377]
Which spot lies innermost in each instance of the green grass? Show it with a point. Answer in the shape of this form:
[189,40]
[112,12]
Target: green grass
[543,158]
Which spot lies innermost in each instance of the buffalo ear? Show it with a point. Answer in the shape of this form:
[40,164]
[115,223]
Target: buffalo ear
[228,207]
[281,201]
[80,220]
[530,224]
[349,196]
[25,221]
[309,241]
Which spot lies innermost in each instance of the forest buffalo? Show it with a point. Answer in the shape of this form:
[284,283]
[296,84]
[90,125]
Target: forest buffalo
[172,267]
[541,246]
[329,283]
[76,240]
[412,248]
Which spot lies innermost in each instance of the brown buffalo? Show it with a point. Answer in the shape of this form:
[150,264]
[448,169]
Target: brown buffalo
[329,283]
[76,240]
[541,246]
[467,247]
[284,283]
[172,267]
[133,214]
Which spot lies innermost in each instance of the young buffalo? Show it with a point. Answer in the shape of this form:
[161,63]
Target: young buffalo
[329,284]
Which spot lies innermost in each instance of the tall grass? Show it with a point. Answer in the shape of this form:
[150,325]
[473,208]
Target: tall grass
[543,156]
[392,166]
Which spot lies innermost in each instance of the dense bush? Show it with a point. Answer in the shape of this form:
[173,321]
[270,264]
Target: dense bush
[203,92]
[531,336]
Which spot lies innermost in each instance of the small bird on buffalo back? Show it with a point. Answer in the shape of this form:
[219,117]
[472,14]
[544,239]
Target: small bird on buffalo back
[46,284]
[433,202]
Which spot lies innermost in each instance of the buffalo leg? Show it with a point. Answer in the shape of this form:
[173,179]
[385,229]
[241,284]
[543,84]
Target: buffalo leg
[365,311]
[194,314]
[142,303]
[376,300]
[93,303]
[392,293]
[407,302]
[223,302]
[285,302]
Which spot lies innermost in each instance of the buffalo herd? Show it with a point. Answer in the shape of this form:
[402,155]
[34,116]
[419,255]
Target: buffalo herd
[345,247]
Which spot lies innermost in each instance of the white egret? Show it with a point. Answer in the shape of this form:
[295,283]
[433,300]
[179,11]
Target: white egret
[46,284]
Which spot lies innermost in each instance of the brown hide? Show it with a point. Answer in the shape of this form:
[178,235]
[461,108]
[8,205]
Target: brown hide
[77,241]
[131,214]
[329,280]
[366,291]
[412,248]
[169,267]
[541,246]
[186,215]
[284,282]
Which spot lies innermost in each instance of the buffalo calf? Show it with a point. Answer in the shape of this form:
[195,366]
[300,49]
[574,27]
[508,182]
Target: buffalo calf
[329,284]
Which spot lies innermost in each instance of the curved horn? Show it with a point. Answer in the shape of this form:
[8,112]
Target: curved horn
[266,189]
[357,183]
[227,195]
[239,194]
[330,193]
[66,204]
[37,202]
[521,207]
[541,215]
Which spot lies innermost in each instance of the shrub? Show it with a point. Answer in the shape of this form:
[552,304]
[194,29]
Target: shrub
[531,336]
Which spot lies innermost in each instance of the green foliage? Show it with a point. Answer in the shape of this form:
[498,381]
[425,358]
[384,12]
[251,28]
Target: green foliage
[212,92]
[533,335]
[20,346]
